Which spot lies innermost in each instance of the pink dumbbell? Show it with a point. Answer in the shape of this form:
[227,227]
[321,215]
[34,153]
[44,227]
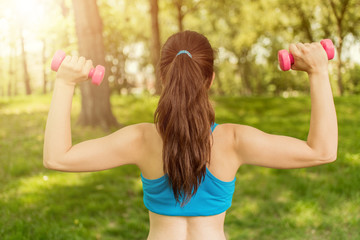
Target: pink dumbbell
[286,59]
[97,73]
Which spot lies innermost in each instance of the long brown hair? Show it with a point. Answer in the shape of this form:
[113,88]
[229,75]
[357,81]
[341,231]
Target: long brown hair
[184,114]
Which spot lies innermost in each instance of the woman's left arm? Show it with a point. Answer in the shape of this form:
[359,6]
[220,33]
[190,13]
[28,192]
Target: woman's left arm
[125,146]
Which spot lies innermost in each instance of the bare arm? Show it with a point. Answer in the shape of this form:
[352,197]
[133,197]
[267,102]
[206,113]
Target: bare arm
[323,132]
[255,147]
[125,146]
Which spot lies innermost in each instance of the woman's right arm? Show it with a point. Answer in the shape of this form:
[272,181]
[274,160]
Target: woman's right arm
[255,147]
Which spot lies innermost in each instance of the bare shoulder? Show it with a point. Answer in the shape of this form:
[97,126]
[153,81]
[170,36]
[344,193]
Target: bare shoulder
[148,130]
[241,132]
[225,133]
[235,131]
[131,140]
[150,144]
[241,138]
[249,142]
[135,131]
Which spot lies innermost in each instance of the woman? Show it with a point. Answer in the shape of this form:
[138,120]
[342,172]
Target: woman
[188,163]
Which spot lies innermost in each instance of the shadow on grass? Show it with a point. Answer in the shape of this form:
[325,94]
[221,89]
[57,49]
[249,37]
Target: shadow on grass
[320,202]
[102,205]
[313,203]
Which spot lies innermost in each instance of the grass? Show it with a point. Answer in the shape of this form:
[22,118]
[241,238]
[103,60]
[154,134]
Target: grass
[320,202]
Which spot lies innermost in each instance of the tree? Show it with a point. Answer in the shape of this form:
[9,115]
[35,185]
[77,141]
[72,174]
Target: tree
[340,10]
[184,7]
[123,35]
[95,101]
[44,65]
[24,63]
[238,30]
[155,41]
[333,19]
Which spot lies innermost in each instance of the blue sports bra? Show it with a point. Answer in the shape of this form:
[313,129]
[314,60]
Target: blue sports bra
[212,197]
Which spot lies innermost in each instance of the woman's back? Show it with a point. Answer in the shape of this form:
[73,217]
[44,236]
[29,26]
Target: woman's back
[223,166]
[182,134]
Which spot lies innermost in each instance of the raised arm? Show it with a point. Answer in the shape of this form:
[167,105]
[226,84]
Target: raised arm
[255,147]
[125,146]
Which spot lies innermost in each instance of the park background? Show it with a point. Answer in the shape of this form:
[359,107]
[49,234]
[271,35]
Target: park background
[126,36]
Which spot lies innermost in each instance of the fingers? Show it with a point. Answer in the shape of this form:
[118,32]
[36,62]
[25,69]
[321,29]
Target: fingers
[87,67]
[80,64]
[81,61]
[74,60]
[75,69]
[297,50]
[316,45]
[294,49]
[67,59]
[302,47]
[307,56]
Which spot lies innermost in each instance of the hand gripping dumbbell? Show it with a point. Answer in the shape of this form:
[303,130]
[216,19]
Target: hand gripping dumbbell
[286,59]
[97,73]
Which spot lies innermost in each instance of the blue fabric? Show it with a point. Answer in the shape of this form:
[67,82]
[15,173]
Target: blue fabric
[212,197]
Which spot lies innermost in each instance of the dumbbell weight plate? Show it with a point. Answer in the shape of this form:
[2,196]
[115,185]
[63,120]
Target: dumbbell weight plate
[57,60]
[329,48]
[284,60]
[98,75]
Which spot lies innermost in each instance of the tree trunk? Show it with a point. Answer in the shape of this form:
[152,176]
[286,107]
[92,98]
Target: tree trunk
[11,73]
[26,74]
[243,67]
[339,68]
[95,101]
[339,13]
[305,21]
[339,51]
[180,16]
[246,85]
[44,66]
[155,42]
[219,90]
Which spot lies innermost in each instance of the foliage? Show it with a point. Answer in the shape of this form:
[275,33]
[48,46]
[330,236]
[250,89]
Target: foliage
[352,78]
[246,34]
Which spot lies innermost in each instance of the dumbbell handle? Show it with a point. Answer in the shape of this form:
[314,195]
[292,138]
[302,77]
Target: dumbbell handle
[97,74]
[286,59]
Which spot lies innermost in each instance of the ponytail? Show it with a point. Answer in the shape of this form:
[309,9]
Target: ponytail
[184,114]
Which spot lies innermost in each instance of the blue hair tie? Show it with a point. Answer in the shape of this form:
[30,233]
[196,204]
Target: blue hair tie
[184,51]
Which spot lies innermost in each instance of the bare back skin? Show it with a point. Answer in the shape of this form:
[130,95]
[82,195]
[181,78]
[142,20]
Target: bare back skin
[223,165]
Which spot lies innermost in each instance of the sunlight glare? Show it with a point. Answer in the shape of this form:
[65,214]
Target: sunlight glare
[28,11]
[4,25]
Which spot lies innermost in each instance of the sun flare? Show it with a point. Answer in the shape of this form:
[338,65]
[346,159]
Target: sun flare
[27,11]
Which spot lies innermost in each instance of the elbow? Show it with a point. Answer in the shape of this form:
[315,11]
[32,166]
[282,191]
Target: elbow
[48,164]
[47,160]
[332,158]
[51,164]
[51,159]
[329,158]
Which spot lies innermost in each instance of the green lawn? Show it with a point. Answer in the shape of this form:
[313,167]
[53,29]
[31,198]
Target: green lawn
[315,203]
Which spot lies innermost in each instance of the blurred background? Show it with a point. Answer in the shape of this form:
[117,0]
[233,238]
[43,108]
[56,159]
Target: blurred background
[126,37]
[246,35]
